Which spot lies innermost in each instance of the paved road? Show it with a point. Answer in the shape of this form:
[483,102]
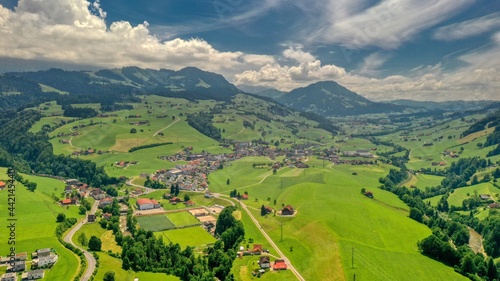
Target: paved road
[147,190]
[91,262]
[271,242]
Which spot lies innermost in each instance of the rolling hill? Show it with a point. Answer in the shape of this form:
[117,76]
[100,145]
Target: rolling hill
[328,98]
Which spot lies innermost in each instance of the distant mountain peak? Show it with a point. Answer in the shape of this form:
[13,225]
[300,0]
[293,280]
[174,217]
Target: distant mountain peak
[328,98]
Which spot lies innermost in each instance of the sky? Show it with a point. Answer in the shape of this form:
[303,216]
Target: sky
[386,49]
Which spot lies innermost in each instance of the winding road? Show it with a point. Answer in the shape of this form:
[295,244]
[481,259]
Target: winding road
[91,262]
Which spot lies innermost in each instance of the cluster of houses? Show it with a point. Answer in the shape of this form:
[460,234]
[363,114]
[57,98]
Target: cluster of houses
[124,164]
[264,261]
[452,154]
[89,151]
[192,176]
[41,258]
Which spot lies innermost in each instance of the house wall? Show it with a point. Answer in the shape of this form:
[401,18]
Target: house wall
[146,206]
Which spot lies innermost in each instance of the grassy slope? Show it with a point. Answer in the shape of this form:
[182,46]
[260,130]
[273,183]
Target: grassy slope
[331,213]
[36,223]
[191,236]
[460,194]
[422,181]
[106,236]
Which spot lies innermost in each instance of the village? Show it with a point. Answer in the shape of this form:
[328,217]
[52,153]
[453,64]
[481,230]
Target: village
[18,263]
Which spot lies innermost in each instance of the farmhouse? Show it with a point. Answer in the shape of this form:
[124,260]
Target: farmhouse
[189,203]
[91,218]
[287,211]
[105,202]
[33,274]
[257,249]
[175,200]
[66,201]
[264,262]
[279,265]
[11,276]
[484,196]
[368,194]
[147,204]
[2,184]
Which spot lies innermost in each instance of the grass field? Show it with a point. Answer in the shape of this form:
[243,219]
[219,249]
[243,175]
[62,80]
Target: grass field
[155,223]
[106,236]
[36,223]
[422,181]
[196,197]
[189,236]
[108,263]
[460,194]
[181,219]
[243,267]
[330,214]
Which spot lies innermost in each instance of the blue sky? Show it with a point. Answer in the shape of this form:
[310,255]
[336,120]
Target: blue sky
[385,49]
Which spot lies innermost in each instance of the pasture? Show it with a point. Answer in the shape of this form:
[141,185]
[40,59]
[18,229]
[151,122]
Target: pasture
[155,222]
[180,219]
[422,181]
[36,214]
[460,194]
[331,211]
[106,236]
[189,236]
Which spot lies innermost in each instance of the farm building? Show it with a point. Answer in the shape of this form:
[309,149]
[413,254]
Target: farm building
[257,249]
[66,201]
[279,265]
[369,194]
[105,202]
[147,204]
[264,262]
[287,211]
[2,184]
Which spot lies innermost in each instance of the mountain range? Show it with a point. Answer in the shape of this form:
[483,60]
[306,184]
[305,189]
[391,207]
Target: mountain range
[326,98]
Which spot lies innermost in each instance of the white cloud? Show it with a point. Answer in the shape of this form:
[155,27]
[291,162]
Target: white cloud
[468,28]
[68,31]
[305,69]
[387,24]
[372,63]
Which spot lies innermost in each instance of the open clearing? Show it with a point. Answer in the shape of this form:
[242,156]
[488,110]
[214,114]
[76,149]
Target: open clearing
[189,236]
[181,219]
[155,222]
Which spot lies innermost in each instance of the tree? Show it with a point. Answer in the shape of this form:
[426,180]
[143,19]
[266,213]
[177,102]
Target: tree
[109,276]
[95,243]
[186,197]
[82,239]
[82,210]
[263,210]
[474,180]
[416,214]
[31,186]
[61,217]
[228,181]
[177,189]
[133,130]
[492,270]
[479,145]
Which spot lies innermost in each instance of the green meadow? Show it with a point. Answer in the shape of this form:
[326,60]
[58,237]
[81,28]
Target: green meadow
[115,265]
[36,214]
[180,219]
[154,223]
[422,181]
[460,194]
[190,236]
[333,217]
[106,236]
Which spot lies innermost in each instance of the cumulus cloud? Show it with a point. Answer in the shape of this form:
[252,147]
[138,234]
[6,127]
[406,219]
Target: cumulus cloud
[468,28]
[386,24]
[304,68]
[75,32]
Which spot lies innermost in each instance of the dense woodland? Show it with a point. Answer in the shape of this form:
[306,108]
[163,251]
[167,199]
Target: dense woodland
[202,122]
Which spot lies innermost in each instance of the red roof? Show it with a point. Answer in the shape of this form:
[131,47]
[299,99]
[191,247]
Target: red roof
[66,201]
[2,184]
[244,196]
[143,201]
[154,202]
[279,265]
